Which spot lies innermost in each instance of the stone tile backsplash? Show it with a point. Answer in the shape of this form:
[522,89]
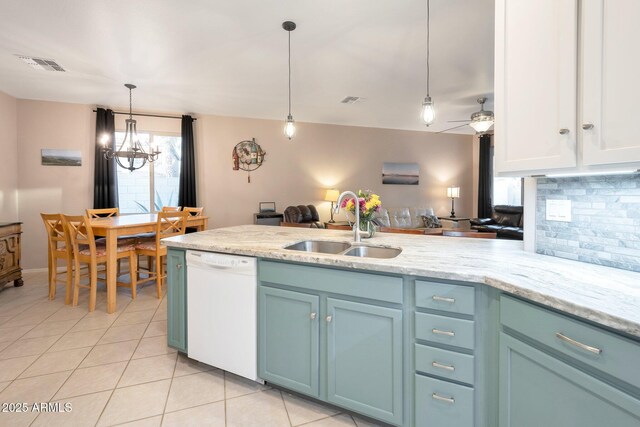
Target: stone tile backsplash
[605,220]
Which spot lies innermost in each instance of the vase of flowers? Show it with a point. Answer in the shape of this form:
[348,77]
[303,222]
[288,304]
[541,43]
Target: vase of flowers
[368,204]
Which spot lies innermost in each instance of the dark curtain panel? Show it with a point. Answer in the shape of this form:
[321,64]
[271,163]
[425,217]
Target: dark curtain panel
[105,178]
[187,191]
[485,178]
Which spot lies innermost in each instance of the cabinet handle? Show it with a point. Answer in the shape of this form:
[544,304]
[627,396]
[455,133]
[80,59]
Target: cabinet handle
[587,126]
[449,400]
[178,266]
[564,131]
[443,299]
[594,350]
[313,316]
[442,366]
[329,318]
[440,332]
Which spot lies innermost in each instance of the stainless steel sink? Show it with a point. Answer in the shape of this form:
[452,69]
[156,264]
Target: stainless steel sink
[319,246]
[373,252]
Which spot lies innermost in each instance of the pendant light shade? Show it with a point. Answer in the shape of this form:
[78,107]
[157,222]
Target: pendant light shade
[290,124]
[428,112]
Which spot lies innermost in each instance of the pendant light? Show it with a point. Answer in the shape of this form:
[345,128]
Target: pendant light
[428,112]
[290,125]
[130,155]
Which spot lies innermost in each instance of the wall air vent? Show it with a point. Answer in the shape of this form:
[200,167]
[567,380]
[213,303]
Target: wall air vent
[351,99]
[42,64]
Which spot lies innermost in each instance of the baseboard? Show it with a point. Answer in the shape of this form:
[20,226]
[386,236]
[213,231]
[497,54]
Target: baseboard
[35,270]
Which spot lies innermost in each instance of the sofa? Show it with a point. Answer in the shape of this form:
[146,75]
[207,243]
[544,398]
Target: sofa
[303,215]
[505,220]
[405,217]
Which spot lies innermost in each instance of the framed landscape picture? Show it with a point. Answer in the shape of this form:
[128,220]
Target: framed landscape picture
[400,173]
[52,157]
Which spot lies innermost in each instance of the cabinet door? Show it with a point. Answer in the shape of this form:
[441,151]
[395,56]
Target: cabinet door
[176,300]
[539,390]
[535,84]
[611,94]
[364,358]
[288,338]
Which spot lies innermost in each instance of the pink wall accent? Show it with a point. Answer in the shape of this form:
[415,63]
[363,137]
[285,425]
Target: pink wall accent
[294,172]
[9,150]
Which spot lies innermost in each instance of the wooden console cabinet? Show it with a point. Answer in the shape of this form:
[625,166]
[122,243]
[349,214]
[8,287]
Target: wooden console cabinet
[10,269]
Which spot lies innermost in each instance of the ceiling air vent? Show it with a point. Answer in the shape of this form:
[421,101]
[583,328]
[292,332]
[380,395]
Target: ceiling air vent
[351,99]
[42,64]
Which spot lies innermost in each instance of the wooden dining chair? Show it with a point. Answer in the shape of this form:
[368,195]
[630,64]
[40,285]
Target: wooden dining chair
[169,224]
[472,234]
[171,209]
[86,251]
[59,248]
[330,226]
[103,213]
[193,211]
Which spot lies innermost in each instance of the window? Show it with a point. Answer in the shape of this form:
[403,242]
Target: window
[507,191]
[155,184]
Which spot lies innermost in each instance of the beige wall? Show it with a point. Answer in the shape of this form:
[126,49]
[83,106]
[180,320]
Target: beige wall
[296,172]
[51,189]
[321,157]
[9,150]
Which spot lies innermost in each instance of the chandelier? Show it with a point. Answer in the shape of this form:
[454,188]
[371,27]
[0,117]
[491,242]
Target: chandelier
[130,154]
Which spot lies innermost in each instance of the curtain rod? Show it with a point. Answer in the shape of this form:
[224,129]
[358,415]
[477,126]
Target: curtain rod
[147,115]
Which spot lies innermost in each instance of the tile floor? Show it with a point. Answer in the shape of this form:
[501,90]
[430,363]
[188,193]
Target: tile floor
[117,369]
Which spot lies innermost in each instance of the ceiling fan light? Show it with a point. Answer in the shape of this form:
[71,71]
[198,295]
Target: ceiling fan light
[481,126]
[428,112]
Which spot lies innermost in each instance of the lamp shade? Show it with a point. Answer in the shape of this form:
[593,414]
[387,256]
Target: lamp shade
[332,195]
[453,192]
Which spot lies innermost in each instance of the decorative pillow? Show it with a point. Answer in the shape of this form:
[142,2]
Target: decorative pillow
[431,221]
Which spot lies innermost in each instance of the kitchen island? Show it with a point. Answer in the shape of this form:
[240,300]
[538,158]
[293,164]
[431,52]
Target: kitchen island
[430,325]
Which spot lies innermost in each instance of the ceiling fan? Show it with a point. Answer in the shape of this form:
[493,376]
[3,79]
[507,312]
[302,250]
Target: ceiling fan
[480,121]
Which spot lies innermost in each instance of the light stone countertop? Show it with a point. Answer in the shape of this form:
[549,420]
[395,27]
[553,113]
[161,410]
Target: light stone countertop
[604,295]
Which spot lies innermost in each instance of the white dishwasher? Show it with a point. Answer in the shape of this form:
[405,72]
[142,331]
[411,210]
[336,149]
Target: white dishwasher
[222,312]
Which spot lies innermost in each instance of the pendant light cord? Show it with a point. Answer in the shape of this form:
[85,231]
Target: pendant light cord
[130,106]
[428,43]
[289,72]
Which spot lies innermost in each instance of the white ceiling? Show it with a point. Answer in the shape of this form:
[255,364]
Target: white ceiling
[230,57]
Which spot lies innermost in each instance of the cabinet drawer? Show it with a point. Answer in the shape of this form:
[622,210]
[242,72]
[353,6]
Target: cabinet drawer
[443,404]
[445,297]
[603,350]
[444,363]
[445,330]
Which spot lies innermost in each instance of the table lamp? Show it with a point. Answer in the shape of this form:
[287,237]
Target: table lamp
[332,196]
[454,193]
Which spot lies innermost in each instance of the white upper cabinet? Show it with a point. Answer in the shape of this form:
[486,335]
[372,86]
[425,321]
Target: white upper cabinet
[610,81]
[567,85]
[535,84]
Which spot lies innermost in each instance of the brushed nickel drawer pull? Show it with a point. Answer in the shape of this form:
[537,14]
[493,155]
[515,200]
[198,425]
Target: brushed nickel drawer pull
[443,299]
[594,350]
[450,400]
[447,333]
[313,315]
[564,131]
[442,366]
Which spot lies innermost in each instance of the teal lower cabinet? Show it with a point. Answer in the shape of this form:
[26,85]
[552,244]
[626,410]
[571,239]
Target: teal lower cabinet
[289,339]
[364,358]
[176,300]
[558,371]
[335,335]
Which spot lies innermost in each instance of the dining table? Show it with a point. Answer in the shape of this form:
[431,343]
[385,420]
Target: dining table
[129,225]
